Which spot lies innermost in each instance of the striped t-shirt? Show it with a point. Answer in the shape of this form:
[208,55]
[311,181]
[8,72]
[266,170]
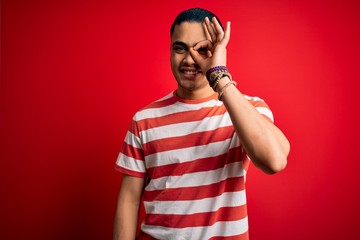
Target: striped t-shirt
[195,168]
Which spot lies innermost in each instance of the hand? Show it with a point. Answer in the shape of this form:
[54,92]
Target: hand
[215,45]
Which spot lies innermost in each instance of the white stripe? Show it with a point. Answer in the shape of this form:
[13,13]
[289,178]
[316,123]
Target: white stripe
[229,199]
[265,111]
[130,163]
[218,229]
[177,107]
[197,178]
[182,129]
[189,154]
[132,140]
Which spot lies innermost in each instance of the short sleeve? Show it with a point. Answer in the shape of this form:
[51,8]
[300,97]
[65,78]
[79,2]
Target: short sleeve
[261,106]
[131,157]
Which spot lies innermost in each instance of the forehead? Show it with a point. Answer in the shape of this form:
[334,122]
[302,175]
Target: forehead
[189,33]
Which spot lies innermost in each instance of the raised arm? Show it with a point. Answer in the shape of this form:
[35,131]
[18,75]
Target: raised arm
[265,144]
[128,205]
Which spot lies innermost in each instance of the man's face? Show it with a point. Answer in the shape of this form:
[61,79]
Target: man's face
[186,71]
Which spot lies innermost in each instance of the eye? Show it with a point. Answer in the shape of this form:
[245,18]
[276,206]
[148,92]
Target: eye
[179,49]
[202,51]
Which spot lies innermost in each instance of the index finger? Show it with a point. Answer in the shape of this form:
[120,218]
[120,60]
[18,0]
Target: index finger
[218,28]
[209,28]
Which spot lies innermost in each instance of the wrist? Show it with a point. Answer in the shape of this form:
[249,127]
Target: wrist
[222,82]
[223,86]
[215,74]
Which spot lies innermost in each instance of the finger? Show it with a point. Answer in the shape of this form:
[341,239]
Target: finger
[208,36]
[227,33]
[225,40]
[218,29]
[210,28]
[198,58]
[207,44]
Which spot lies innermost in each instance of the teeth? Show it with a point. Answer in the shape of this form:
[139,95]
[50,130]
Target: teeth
[190,72]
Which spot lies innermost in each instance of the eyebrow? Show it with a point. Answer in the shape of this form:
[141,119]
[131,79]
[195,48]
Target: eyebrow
[180,44]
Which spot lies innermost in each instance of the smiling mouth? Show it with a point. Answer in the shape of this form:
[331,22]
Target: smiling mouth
[190,73]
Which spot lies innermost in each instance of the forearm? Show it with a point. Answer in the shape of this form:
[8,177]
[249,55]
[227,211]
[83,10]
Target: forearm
[127,210]
[263,141]
[126,221]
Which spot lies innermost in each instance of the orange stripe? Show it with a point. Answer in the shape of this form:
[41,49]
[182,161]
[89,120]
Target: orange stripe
[191,140]
[180,117]
[134,128]
[163,103]
[258,103]
[198,219]
[129,172]
[132,152]
[234,184]
[198,165]
[244,236]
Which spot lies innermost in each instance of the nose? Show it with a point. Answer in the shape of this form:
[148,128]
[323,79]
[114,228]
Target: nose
[188,59]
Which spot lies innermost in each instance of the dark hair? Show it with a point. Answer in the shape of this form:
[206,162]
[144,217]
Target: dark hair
[192,15]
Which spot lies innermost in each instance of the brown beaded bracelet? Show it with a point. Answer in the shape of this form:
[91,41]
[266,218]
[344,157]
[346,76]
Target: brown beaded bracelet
[225,87]
[216,76]
[222,75]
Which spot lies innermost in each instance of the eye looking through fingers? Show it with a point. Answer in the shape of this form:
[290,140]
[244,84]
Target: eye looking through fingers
[204,46]
[202,51]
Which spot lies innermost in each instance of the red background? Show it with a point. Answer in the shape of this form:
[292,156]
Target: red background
[73,73]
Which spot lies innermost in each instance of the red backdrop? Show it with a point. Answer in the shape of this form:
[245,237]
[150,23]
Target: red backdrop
[74,72]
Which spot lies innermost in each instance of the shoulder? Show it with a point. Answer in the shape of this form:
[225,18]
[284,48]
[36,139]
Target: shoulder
[255,101]
[149,110]
[261,106]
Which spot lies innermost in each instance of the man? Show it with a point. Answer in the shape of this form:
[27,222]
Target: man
[186,155]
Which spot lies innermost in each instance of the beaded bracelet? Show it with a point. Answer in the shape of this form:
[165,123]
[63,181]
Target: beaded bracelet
[215,69]
[225,87]
[220,76]
[214,74]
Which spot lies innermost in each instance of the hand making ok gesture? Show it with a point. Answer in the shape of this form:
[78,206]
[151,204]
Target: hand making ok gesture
[215,44]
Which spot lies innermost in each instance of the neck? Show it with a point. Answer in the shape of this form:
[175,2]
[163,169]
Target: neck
[194,94]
